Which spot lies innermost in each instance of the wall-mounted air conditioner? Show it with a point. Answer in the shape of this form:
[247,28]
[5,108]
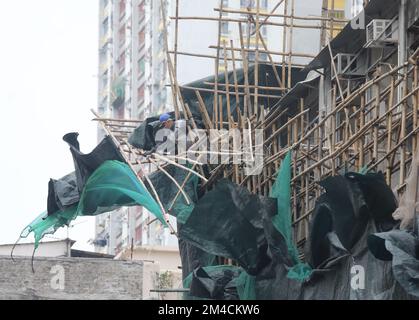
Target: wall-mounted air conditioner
[348,65]
[381,33]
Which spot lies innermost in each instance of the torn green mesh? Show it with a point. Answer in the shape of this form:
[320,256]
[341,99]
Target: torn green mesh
[112,185]
[281,190]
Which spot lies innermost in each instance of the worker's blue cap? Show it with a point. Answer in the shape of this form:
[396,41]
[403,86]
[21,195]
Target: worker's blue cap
[165,117]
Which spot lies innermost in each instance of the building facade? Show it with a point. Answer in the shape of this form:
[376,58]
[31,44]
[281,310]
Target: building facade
[131,86]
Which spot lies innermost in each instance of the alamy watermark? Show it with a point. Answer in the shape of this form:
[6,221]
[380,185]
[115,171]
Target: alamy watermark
[235,146]
[357,277]
[58,277]
[359,21]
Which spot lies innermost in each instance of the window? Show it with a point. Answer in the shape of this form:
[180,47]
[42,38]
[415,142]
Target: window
[264,4]
[141,38]
[141,66]
[141,9]
[252,4]
[105,26]
[121,62]
[122,7]
[225,3]
[122,36]
[337,14]
[141,92]
[245,3]
[139,235]
[224,27]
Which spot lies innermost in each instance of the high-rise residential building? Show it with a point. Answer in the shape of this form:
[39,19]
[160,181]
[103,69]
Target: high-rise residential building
[132,86]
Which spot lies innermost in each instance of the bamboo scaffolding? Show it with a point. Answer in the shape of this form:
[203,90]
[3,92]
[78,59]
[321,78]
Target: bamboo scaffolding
[297,26]
[378,133]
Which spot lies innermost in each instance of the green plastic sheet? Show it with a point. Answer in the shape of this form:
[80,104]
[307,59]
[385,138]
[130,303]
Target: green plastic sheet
[112,185]
[281,190]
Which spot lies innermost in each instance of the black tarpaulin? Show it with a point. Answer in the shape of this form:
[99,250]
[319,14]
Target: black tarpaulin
[227,222]
[167,191]
[348,267]
[62,193]
[349,203]
[402,249]
[215,283]
[143,136]
[86,164]
[266,79]
[191,256]
[65,192]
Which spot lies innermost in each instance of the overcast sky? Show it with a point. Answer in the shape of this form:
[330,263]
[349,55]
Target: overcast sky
[48,84]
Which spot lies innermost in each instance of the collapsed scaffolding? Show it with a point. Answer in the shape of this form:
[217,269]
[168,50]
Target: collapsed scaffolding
[372,126]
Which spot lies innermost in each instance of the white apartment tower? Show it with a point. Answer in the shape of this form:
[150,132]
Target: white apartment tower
[132,85]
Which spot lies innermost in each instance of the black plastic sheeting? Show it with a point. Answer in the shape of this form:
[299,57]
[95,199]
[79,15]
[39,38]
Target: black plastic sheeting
[191,256]
[228,222]
[143,136]
[355,248]
[65,192]
[402,249]
[346,207]
[219,285]
[167,189]
[86,164]
[62,193]
[266,78]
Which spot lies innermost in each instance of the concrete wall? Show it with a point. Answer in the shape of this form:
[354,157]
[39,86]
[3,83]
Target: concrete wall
[167,258]
[46,249]
[70,278]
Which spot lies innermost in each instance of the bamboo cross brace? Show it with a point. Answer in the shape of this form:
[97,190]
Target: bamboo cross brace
[172,179]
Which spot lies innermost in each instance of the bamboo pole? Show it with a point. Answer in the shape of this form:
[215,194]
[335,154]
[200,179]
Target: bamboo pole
[284,44]
[205,116]
[247,102]
[227,87]
[221,92]
[290,45]
[172,179]
[171,72]
[175,66]
[202,18]
[256,104]
[274,53]
[277,15]
[217,60]
[236,83]
[165,159]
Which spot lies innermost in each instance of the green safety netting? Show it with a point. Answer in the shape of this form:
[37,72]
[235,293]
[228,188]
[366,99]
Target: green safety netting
[281,190]
[224,281]
[111,186]
[45,224]
[246,286]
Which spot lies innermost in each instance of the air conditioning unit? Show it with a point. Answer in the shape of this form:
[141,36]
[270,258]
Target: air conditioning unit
[381,33]
[348,65]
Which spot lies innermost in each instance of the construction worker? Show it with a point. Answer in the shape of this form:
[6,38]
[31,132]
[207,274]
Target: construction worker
[167,137]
